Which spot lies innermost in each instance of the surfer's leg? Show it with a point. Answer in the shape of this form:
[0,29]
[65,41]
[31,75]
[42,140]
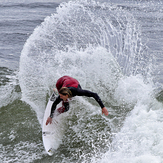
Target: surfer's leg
[64,108]
[66,105]
[60,110]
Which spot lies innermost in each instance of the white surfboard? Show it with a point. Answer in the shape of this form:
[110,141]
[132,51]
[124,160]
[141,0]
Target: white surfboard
[51,133]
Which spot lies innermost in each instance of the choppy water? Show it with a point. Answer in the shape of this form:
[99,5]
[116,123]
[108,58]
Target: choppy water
[112,48]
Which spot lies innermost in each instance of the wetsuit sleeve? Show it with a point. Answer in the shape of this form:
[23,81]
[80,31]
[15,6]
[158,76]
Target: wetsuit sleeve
[81,92]
[55,103]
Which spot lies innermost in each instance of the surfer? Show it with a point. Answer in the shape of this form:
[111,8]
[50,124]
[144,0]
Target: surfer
[69,87]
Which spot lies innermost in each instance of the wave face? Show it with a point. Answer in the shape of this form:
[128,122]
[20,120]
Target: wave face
[83,40]
[101,46]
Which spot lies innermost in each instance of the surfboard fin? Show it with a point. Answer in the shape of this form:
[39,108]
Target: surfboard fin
[51,151]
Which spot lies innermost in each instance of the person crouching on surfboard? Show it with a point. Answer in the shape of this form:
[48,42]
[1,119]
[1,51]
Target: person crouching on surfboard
[69,87]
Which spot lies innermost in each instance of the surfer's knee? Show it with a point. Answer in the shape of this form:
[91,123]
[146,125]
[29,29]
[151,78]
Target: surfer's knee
[66,105]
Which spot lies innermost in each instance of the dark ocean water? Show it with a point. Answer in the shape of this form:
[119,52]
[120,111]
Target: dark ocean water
[112,48]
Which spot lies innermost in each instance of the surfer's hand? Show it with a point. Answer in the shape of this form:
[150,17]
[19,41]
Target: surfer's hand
[49,120]
[105,111]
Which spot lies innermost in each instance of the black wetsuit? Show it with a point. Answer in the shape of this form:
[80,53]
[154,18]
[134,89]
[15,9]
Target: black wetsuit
[76,92]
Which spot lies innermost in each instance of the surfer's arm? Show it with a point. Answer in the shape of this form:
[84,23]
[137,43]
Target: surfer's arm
[55,103]
[96,97]
[81,92]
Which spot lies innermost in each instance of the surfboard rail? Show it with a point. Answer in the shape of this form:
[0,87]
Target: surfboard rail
[50,132]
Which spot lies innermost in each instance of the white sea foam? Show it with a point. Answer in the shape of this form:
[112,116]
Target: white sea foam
[140,138]
[92,51]
[87,66]
[21,152]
